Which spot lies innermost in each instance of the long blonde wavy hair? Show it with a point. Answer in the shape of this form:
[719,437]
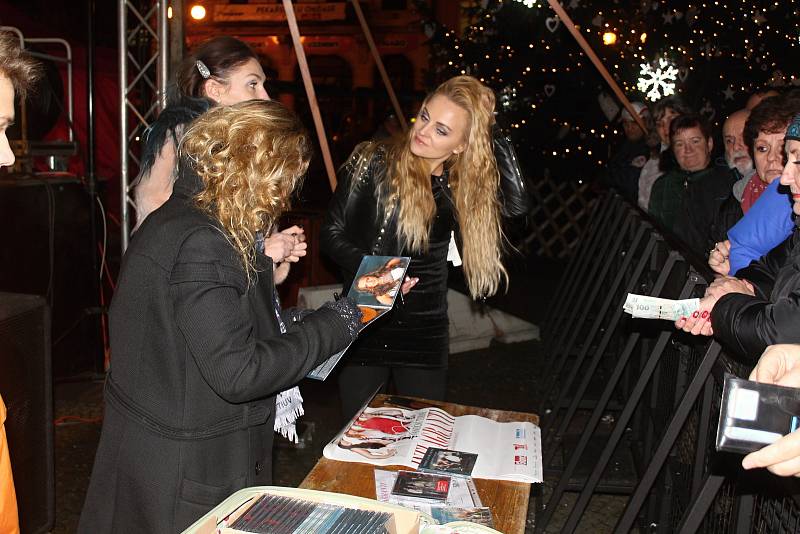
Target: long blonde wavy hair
[474,181]
[250,157]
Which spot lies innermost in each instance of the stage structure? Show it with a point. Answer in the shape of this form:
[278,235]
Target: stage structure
[143,74]
[144,61]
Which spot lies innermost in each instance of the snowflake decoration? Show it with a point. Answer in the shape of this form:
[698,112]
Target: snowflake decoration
[658,82]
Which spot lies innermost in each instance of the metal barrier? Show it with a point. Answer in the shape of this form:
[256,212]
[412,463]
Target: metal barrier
[642,395]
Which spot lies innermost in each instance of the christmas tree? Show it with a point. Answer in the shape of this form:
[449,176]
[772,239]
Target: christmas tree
[554,103]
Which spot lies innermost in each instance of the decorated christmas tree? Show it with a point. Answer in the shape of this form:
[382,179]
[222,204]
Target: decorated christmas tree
[557,107]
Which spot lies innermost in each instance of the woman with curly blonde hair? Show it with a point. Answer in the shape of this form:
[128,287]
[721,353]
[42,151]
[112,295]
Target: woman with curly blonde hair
[434,194]
[204,361]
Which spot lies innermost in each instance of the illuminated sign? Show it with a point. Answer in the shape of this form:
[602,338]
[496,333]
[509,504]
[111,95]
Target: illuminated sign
[275,13]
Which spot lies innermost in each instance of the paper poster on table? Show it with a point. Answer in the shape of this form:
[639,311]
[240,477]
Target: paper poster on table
[394,436]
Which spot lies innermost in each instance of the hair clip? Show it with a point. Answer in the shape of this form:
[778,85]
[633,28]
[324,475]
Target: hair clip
[202,69]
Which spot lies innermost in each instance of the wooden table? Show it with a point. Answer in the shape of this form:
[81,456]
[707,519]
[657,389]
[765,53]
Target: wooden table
[508,500]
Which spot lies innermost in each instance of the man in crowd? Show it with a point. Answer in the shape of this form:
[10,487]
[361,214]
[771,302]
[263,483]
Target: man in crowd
[756,98]
[695,201]
[626,164]
[17,72]
[737,157]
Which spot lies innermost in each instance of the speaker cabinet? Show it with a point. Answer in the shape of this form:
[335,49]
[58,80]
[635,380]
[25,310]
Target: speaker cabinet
[26,387]
[46,250]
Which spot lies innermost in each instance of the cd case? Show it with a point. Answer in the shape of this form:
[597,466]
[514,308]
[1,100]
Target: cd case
[753,415]
[422,486]
[448,462]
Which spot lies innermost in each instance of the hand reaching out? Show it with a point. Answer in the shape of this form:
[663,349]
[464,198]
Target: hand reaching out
[779,364]
[699,324]
[718,258]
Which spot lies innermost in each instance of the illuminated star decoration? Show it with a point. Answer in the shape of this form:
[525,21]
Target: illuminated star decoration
[658,82]
[728,92]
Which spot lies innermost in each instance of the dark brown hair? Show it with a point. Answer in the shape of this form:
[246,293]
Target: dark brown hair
[220,55]
[690,120]
[16,65]
[772,115]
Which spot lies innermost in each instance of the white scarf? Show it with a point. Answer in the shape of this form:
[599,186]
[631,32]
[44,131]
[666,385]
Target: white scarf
[289,403]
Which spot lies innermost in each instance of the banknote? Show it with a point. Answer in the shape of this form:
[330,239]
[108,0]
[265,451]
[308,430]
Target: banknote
[645,307]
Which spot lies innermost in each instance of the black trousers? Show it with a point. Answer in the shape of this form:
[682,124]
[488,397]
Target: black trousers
[358,382]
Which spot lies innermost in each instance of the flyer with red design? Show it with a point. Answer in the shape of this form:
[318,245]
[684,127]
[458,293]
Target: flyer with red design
[396,436]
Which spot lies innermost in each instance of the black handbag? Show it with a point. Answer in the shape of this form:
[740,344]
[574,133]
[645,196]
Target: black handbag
[515,199]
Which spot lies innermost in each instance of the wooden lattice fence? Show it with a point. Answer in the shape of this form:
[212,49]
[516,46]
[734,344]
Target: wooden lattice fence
[560,212]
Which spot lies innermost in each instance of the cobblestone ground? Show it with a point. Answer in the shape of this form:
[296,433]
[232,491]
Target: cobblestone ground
[502,377]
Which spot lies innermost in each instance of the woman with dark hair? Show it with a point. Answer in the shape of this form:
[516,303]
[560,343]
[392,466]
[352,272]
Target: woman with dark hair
[763,135]
[768,218]
[221,71]
[433,194]
[204,360]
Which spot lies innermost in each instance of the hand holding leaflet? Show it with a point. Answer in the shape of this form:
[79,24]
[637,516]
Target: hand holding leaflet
[375,288]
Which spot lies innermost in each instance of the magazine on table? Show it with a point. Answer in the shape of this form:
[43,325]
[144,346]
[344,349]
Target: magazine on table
[422,486]
[443,461]
[462,493]
[397,436]
[375,288]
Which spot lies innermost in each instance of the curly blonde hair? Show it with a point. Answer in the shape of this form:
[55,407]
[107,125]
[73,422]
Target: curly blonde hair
[474,180]
[250,157]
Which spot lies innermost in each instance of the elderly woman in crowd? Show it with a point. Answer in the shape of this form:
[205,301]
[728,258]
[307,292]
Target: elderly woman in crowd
[761,306]
[767,221]
[661,158]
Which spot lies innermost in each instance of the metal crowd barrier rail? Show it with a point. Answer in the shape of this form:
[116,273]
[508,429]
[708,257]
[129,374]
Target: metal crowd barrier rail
[638,397]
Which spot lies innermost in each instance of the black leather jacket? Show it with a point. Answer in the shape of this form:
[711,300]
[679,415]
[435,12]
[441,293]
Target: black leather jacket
[747,325]
[362,219]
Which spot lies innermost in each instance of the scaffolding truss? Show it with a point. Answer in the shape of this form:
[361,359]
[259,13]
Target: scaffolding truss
[143,74]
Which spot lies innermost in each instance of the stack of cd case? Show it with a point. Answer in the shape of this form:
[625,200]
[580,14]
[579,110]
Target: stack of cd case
[221,518]
[278,514]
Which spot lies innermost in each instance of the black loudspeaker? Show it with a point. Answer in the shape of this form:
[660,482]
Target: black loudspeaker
[26,387]
[46,250]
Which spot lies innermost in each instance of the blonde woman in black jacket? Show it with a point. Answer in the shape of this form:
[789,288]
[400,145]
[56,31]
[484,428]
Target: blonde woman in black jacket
[433,194]
[200,349]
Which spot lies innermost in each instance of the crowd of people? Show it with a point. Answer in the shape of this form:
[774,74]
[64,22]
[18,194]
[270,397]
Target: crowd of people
[738,213]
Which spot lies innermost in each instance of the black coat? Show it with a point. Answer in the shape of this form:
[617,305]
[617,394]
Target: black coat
[747,325]
[197,359]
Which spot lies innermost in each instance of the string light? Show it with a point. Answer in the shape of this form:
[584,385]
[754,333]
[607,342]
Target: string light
[543,81]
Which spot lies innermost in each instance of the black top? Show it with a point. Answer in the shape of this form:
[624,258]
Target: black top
[747,325]
[415,332]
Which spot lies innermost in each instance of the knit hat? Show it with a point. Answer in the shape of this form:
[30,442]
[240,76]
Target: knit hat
[638,107]
[793,132]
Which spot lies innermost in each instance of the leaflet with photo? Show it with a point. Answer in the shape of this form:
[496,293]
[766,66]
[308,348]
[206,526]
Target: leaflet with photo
[375,289]
[387,435]
[424,486]
[445,514]
[462,494]
[448,462]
